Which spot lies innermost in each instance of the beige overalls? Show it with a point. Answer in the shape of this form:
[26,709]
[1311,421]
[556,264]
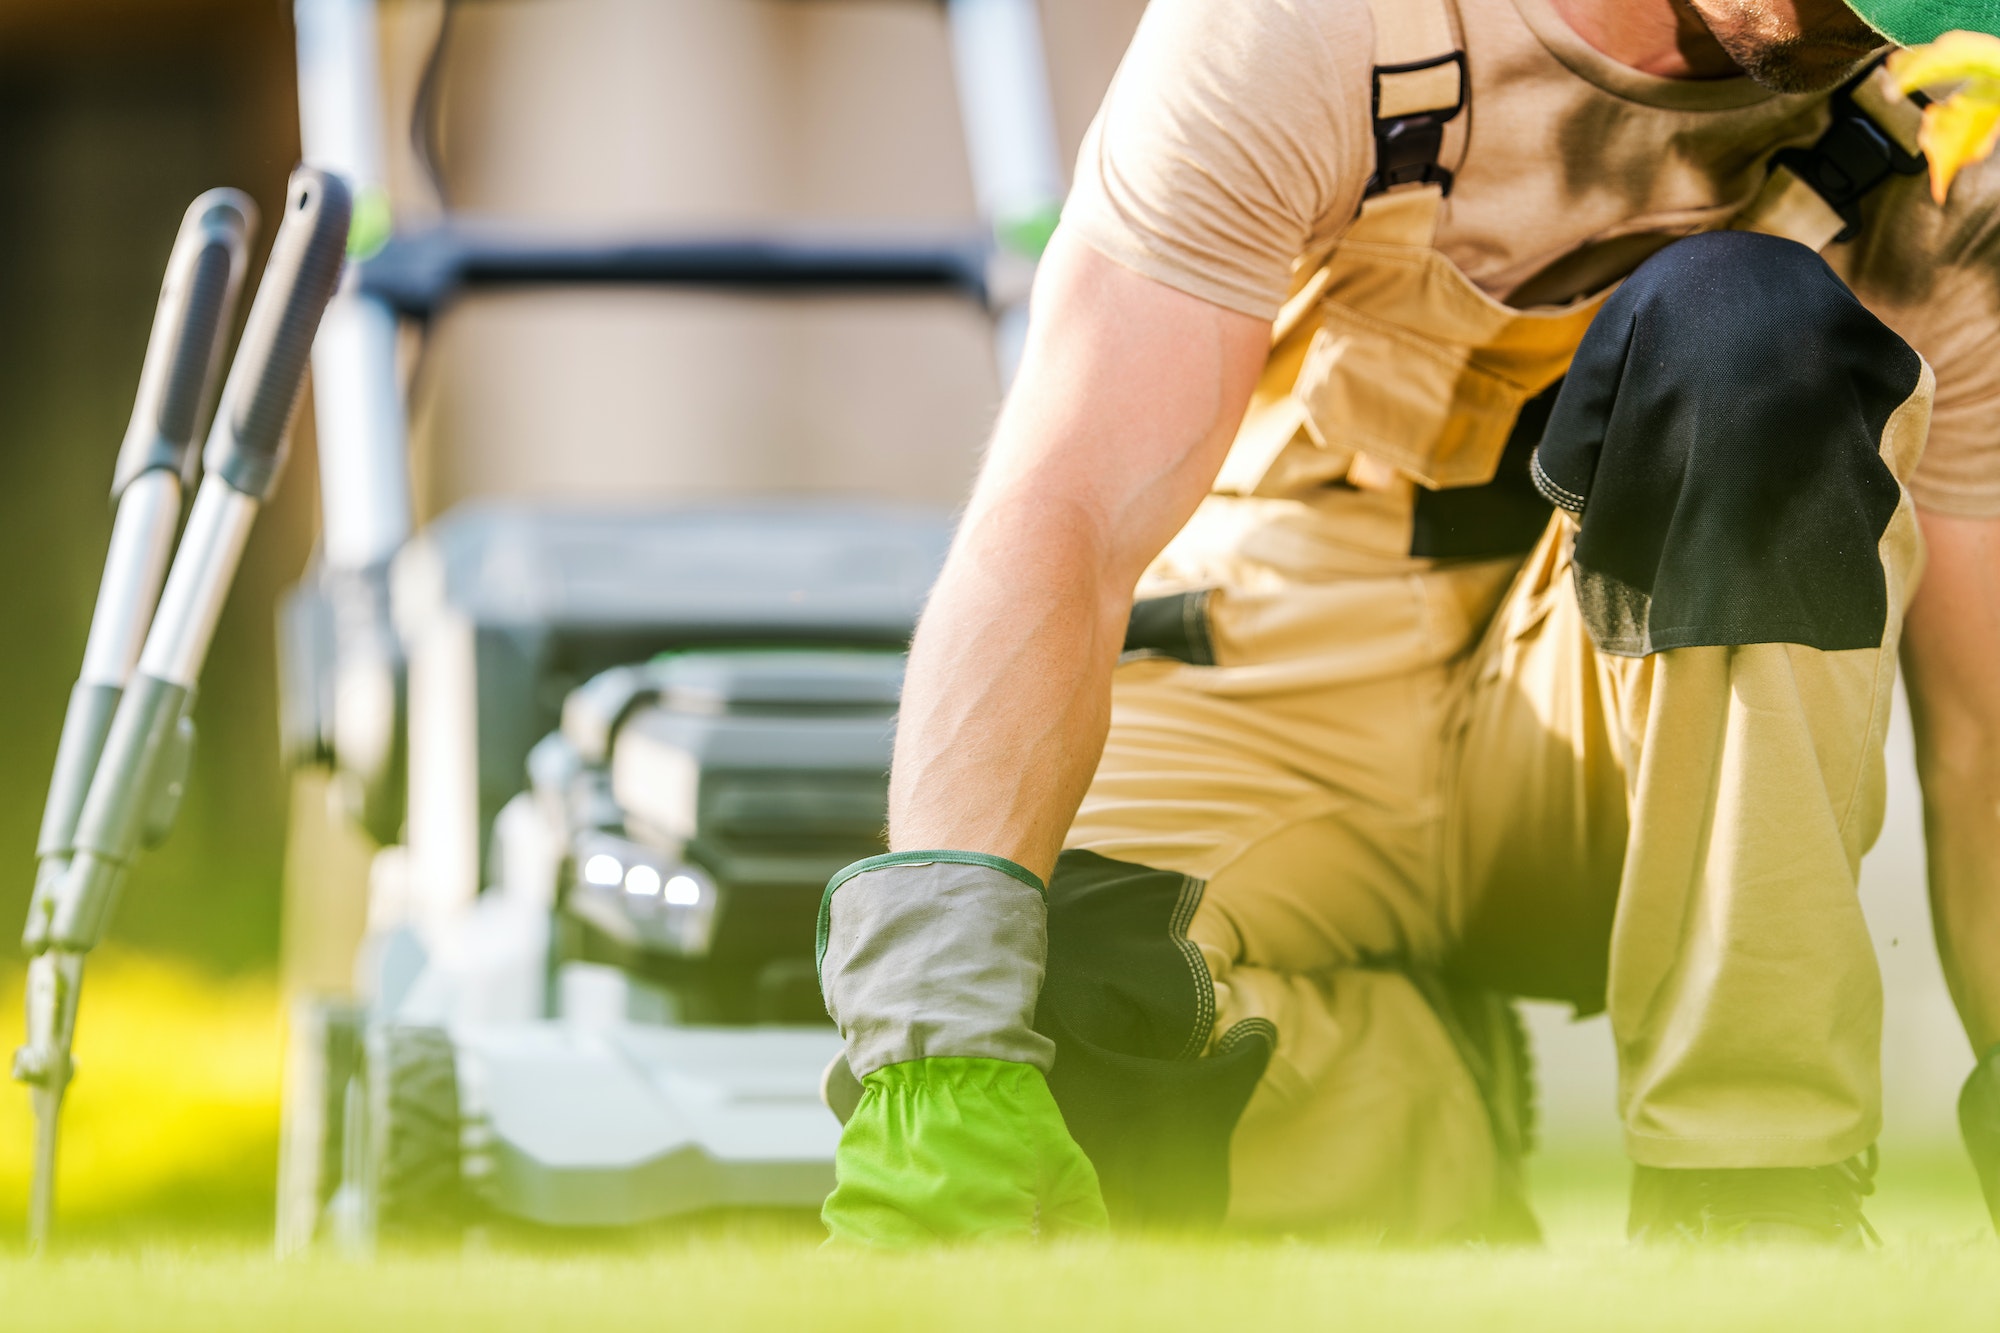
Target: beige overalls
[1398,764]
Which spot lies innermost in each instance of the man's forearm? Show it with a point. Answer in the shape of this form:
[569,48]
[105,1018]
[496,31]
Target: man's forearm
[1951,641]
[1008,697]
[1128,397]
[1962,831]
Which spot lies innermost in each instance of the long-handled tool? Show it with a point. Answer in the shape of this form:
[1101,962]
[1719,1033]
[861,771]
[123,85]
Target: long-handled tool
[176,387]
[130,791]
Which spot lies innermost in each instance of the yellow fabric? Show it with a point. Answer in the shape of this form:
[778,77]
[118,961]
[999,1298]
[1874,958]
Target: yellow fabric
[1397,762]
[1409,32]
[1390,354]
[1231,152]
[1788,207]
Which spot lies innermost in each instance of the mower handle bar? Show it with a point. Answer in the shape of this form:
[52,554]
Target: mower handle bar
[246,444]
[418,275]
[190,325]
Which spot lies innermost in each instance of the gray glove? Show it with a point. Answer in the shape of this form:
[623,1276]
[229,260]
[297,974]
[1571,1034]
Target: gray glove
[931,963]
[934,953]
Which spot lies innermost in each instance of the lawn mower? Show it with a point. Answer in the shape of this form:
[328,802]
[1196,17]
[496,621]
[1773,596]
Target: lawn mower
[611,754]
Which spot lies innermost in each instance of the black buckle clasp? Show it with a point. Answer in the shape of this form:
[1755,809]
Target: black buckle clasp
[1408,148]
[1853,157]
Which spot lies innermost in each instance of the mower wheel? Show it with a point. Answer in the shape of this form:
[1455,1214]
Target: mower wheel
[415,1185]
[322,1055]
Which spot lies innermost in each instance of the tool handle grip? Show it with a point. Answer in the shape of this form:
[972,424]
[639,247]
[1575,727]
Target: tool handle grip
[246,447]
[197,298]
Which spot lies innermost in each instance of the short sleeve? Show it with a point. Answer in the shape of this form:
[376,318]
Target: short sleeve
[1234,139]
[1933,275]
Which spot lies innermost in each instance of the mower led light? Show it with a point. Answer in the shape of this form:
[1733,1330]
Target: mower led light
[683,891]
[604,870]
[642,881]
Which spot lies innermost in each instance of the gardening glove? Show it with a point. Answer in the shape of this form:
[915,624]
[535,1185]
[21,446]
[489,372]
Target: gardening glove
[931,963]
[1979,1123]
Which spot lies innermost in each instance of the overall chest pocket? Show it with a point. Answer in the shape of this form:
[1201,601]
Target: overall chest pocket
[1425,408]
[1414,367]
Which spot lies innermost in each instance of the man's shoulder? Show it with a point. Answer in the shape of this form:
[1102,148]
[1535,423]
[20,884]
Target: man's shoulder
[1338,30]
[1233,130]
[1347,27]
[1909,240]
[1252,65]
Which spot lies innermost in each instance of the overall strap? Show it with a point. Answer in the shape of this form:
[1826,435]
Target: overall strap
[1813,195]
[1418,85]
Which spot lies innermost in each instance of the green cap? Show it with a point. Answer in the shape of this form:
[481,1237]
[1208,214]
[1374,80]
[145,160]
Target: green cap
[1914,22]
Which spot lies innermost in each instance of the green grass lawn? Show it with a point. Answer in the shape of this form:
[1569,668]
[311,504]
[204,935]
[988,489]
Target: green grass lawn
[1126,1286]
[167,1176]
[1939,1269]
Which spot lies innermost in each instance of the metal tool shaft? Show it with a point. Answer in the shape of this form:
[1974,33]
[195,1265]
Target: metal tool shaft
[176,385]
[42,1190]
[140,730]
[55,978]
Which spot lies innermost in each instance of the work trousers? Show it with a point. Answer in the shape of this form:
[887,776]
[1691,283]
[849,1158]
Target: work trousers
[1635,771]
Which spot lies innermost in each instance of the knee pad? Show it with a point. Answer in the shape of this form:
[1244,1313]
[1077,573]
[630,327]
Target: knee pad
[1719,439]
[1130,1005]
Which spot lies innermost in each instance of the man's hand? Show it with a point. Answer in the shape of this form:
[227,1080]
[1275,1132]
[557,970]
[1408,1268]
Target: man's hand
[931,961]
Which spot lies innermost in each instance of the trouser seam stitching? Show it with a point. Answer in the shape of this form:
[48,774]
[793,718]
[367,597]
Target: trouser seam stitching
[1553,492]
[1243,1031]
[1204,983]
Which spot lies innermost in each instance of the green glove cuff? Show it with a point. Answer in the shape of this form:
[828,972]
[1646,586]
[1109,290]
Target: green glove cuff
[957,1149]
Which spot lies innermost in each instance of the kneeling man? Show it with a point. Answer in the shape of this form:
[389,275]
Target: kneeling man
[1450,540]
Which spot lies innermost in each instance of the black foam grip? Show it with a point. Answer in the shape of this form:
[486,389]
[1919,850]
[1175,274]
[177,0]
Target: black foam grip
[141,741]
[189,326]
[246,447]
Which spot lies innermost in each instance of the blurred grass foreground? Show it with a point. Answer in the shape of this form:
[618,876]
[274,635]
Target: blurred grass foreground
[170,1146]
[742,1284]
[171,1127]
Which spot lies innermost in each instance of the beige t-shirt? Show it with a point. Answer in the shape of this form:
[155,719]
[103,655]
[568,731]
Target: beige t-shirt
[1235,142]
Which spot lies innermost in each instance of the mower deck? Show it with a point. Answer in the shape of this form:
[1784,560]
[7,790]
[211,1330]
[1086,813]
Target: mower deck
[630,1123]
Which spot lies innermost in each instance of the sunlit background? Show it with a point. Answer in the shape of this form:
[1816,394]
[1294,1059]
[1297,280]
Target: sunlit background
[615,113]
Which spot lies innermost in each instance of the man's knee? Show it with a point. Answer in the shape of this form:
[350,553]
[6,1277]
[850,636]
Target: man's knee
[1734,300]
[1720,440]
